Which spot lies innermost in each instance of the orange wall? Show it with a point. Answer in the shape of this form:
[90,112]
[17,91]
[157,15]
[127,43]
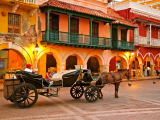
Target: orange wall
[84,26]
[14,60]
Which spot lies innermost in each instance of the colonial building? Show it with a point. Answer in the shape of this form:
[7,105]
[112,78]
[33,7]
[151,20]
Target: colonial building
[146,15]
[68,33]
[17,33]
[86,33]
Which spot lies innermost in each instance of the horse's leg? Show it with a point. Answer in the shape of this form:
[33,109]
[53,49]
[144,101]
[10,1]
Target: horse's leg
[116,89]
[100,94]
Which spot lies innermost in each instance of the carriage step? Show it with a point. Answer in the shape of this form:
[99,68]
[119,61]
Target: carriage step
[52,95]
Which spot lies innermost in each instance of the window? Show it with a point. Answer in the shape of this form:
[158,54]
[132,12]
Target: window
[124,35]
[95,29]
[13,23]
[74,27]
[53,22]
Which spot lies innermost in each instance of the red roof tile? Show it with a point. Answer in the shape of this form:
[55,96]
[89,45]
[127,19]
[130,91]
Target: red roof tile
[111,14]
[71,7]
[119,19]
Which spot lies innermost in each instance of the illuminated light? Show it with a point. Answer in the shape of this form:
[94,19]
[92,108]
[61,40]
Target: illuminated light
[132,54]
[37,47]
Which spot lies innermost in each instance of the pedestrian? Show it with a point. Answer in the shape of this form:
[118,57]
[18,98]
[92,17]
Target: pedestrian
[48,75]
[53,70]
[148,70]
[143,70]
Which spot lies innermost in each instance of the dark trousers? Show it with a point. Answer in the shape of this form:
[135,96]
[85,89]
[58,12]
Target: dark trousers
[45,82]
[157,72]
[147,72]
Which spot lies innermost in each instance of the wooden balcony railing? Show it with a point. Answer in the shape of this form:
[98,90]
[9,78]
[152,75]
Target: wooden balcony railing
[122,45]
[79,40]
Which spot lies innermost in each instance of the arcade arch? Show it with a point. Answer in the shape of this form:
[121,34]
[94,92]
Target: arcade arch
[117,62]
[73,60]
[11,59]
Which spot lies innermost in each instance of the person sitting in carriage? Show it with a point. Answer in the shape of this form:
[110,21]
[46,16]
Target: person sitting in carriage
[28,69]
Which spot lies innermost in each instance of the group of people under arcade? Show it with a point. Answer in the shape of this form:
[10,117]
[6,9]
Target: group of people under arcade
[147,69]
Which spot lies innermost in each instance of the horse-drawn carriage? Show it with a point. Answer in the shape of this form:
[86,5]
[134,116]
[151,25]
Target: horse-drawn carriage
[23,89]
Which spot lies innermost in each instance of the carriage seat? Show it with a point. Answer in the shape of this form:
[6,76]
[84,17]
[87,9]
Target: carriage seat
[29,74]
[67,73]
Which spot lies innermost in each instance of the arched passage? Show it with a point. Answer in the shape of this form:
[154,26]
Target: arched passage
[93,64]
[49,58]
[117,62]
[73,60]
[11,59]
[119,56]
[136,67]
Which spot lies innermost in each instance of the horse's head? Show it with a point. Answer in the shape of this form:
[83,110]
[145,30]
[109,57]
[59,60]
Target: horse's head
[127,74]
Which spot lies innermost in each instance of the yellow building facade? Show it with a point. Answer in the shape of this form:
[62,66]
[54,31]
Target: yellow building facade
[17,33]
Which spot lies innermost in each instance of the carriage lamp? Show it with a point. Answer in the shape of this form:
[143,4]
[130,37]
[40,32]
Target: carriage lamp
[154,82]
[129,84]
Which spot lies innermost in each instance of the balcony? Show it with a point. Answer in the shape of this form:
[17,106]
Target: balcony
[122,45]
[142,41]
[155,42]
[76,40]
[136,8]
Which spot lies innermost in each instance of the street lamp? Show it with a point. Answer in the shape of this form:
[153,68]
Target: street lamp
[37,47]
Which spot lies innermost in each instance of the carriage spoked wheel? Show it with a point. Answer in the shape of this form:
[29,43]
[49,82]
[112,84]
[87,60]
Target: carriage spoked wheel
[25,95]
[92,93]
[77,91]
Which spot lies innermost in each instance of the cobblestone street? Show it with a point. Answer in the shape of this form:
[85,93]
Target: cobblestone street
[141,101]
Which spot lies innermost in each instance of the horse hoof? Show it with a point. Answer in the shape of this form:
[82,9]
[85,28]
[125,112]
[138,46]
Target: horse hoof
[116,97]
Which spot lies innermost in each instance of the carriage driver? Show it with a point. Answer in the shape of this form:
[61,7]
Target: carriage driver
[28,69]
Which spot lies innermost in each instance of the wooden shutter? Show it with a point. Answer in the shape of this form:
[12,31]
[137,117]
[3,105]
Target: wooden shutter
[124,35]
[74,26]
[95,29]
[13,23]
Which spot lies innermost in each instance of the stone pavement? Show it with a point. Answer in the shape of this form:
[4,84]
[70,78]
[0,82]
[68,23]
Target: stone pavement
[141,101]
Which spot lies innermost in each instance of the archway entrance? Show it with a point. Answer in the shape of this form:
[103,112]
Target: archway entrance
[149,63]
[157,65]
[117,62]
[135,66]
[70,62]
[11,59]
[47,60]
[93,65]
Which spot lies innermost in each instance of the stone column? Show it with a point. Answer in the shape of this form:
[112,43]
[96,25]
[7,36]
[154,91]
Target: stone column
[152,70]
[107,68]
[141,70]
[85,66]
[102,68]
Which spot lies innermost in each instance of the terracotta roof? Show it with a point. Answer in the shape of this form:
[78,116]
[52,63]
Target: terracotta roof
[146,18]
[119,19]
[71,7]
[111,14]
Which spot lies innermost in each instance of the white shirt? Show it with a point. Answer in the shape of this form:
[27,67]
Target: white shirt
[28,70]
[148,68]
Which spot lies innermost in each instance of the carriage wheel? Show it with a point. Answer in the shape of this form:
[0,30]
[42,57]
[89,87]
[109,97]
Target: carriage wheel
[77,91]
[25,95]
[91,93]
